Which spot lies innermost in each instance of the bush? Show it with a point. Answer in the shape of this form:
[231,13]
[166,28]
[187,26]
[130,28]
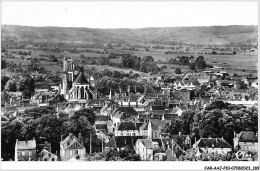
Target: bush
[177,71]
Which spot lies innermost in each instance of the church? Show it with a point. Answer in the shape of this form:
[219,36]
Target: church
[75,86]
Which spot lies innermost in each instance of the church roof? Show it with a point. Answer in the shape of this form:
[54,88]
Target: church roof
[80,79]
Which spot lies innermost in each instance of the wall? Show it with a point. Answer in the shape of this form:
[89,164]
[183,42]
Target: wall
[28,154]
[248,146]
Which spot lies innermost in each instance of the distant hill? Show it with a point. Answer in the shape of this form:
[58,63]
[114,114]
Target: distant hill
[163,35]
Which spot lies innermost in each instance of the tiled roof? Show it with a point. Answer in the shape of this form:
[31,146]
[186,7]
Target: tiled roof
[212,90]
[147,143]
[101,118]
[101,126]
[157,116]
[80,79]
[157,124]
[69,138]
[30,144]
[170,116]
[144,126]
[127,126]
[217,142]
[128,111]
[180,137]
[94,102]
[246,136]
[175,110]
[158,107]
[180,95]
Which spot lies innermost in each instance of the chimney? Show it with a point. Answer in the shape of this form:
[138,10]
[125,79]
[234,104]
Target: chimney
[121,103]
[129,103]
[70,135]
[136,103]
[234,134]
[179,133]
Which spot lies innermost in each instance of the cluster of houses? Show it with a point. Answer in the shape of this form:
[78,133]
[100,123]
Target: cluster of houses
[136,120]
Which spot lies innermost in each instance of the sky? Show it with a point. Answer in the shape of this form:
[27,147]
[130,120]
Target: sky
[128,14]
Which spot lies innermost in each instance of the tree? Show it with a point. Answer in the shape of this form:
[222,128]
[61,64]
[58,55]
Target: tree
[10,131]
[11,85]
[177,71]
[81,124]
[200,62]
[235,75]
[49,128]
[241,85]
[38,112]
[148,59]
[3,64]
[4,80]
[26,85]
[175,127]
[124,155]
[187,118]
[88,113]
[192,66]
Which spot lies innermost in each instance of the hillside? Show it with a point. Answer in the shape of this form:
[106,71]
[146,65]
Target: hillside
[168,35]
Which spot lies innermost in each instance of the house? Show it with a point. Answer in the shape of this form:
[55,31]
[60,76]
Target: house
[255,84]
[183,140]
[44,146]
[45,155]
[213,92]
[143,130]
[25,150]
[122,142]
[155,127]
[126,129]
[121,113]
[71,147]
[213,145]
[15,98]
[144,147]
[177,111]
[246,141]
[167,146]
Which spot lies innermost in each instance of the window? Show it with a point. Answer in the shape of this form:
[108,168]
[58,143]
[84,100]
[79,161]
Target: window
[52,159]
[76,152]
[45,159]
[23,153]
[122,134]
[68,143]
[30,153]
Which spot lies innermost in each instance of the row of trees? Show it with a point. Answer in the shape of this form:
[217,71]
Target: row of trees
[145,64]
[43,125]
[104,86]
[198,63]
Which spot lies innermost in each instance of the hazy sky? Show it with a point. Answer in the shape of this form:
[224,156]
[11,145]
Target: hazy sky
[127,14]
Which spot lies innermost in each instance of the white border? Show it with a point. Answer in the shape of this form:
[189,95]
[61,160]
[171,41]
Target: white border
[184,165]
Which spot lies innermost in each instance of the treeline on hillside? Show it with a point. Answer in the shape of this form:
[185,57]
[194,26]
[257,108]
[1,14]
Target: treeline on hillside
[198,63]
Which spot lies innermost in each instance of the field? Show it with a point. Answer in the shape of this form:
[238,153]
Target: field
[241,64]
